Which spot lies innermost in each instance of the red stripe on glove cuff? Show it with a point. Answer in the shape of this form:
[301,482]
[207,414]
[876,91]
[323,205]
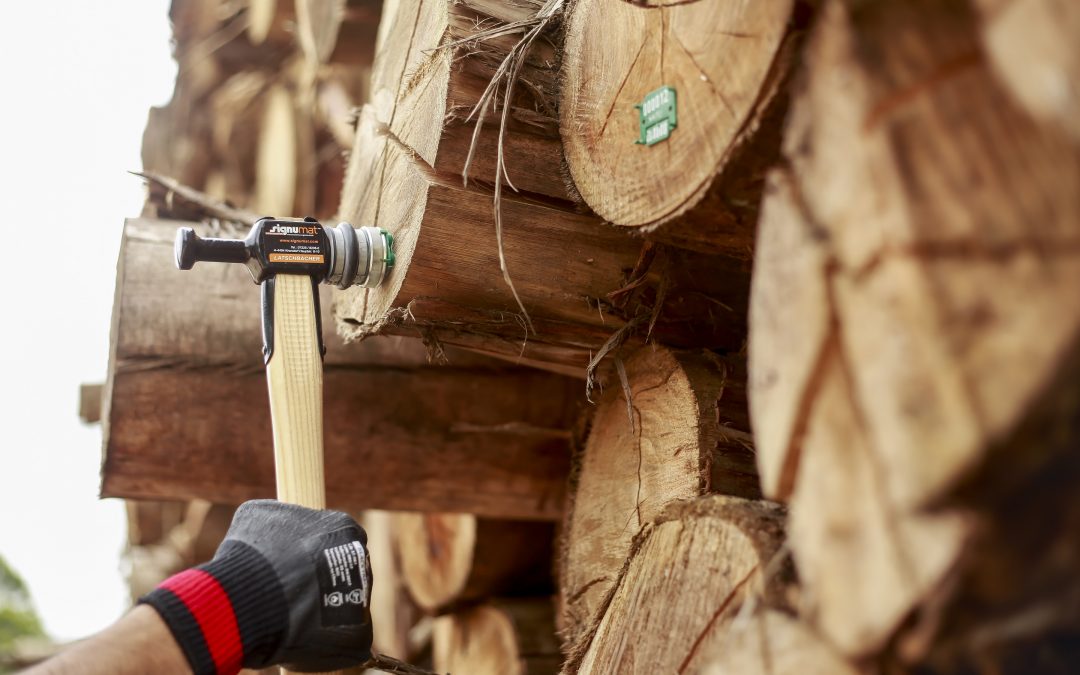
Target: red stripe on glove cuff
[210,605]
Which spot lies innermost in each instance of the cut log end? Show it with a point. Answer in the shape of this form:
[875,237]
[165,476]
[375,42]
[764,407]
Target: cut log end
[688,575]
[451,559]
[717,56]
[683,433]
[498,638]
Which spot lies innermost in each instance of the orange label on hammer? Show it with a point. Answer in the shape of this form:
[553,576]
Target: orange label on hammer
[296,258]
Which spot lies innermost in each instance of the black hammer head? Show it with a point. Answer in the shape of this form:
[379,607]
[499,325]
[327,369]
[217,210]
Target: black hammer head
[342,255]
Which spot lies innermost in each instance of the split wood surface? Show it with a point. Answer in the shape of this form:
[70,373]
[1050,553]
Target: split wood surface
[677,431]
[923,237]
[687,576]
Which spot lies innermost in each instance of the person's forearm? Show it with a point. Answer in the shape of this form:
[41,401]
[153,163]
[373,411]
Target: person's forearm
[138,643]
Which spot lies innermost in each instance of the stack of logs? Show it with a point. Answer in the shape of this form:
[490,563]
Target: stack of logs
[825,329]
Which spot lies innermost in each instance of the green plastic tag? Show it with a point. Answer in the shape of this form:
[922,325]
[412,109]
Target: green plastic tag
[657,116]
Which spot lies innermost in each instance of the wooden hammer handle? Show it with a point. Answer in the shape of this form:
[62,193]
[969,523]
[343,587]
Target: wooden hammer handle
[295,379]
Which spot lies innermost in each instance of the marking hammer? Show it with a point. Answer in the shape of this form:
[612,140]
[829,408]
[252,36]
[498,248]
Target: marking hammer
[288,259]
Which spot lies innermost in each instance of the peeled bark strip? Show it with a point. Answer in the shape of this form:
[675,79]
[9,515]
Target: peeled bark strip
[689,573]
[186,411]
[726,61]
[773,643]
[504,637]
[430,73]
[567,271]
[452,559]
[925,235]
[1032,46]
[689,436]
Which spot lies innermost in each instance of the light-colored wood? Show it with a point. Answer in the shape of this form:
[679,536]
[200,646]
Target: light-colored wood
[1033,49]
[773,643]
[788,289]
[505,637]
[565,268]
[295,380]
[277,157]
[689,436]
[923,237]
[452,559]
[864,564]
[317,25]
[393,613]
[726,62]
[268,20]
[689,573]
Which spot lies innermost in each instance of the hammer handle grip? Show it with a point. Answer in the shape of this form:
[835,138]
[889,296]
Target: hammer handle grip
[295,378]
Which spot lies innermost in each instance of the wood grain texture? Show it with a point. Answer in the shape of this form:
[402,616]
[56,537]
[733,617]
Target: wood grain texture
[924,236]
[452,559]
[211,314]
[566,269]
[443,440]
[186,389]
[503,637]
[726,63]
[689,573]
[294,376]
[773,643]
[689,436]
[428,76]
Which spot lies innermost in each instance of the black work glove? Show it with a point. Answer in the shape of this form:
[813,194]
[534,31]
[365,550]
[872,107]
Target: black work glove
[288,585]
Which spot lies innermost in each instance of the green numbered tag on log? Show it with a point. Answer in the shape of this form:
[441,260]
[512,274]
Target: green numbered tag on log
[656,116]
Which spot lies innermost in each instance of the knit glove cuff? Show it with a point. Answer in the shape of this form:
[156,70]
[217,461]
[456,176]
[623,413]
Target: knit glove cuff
[226,614]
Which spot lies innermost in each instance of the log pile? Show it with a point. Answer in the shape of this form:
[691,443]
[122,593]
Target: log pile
[921,422]
[824,317]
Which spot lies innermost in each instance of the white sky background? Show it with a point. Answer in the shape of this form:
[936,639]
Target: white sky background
[77,79]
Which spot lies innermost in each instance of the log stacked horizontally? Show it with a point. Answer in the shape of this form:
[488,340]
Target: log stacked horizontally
[823,337]
[532,279]
[186,389]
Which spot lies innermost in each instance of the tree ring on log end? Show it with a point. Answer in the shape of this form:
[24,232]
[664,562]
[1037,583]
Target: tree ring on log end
[716,55]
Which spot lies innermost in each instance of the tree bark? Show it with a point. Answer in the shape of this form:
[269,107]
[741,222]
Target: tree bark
[504,637]
[923,236]
[688,575]
[688,437]
[186,413]
[728,63]
[580,283]
[453,559]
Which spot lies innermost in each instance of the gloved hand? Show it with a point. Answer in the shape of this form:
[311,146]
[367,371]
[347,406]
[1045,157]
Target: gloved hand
[288,585]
